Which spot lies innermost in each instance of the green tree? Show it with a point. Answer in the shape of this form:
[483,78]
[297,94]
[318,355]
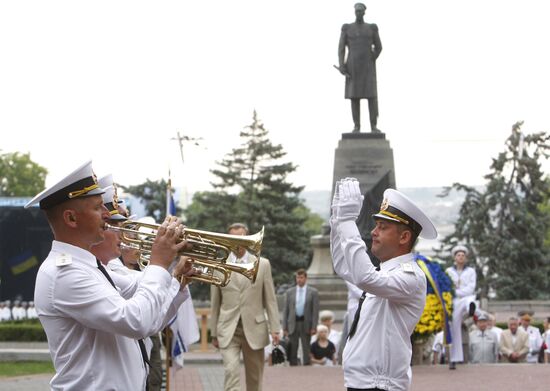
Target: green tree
[545,209]
[252,187]
[504,224]
[153,195]
[20,176]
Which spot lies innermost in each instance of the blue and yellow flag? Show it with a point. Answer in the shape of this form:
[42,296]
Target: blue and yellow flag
[22,262]
[439,285]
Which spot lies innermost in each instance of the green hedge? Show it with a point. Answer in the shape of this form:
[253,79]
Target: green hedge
[22,331]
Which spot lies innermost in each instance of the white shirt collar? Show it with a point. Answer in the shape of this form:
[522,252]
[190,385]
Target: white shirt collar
[234,259]
[394,262]
[77,252]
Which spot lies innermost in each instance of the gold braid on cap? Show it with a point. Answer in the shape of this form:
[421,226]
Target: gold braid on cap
[77,193]
[394,216]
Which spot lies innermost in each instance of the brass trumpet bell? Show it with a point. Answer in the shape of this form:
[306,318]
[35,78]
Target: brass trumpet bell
[209,253]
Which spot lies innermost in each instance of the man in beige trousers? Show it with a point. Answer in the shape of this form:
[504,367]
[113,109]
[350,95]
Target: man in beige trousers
[238,320]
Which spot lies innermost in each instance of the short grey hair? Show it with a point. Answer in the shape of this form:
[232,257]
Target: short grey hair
[238,226]
[326,315]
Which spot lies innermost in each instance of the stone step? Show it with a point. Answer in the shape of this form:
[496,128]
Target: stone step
[334,295]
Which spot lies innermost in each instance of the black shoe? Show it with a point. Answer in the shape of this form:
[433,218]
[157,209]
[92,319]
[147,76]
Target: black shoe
[452,365]
[472,309]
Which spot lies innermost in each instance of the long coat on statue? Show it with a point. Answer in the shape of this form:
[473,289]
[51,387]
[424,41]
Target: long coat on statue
[364,47]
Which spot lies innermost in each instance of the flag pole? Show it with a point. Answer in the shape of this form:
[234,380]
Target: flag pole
[168,346]
[168,342]
[168,193]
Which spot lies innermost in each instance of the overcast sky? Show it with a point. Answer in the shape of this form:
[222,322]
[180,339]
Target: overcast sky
[114,80]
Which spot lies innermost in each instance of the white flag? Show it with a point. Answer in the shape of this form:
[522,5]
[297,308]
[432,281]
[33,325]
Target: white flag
[185,332]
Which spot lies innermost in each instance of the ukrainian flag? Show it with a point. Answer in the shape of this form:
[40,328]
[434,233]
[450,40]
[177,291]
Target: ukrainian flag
[22,262]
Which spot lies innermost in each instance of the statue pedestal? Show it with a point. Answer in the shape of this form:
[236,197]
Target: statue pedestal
[365,156]
[333,292]
[369,158]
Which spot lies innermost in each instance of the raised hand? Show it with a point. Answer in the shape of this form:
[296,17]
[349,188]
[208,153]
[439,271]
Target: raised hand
[350,200]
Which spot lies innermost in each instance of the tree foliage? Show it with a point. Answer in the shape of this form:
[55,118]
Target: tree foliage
[505,224]
[252,187]
[153,195]
[20,176]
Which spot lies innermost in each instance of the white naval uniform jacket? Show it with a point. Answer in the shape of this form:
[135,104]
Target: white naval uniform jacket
[379,354]
[92,330]
[464,282]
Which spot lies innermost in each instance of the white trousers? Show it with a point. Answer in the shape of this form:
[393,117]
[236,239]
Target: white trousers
[461,305]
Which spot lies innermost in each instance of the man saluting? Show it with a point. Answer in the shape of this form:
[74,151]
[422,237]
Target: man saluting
[378,351]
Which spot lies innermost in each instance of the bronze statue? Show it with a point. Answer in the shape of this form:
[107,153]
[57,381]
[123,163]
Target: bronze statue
[364,47]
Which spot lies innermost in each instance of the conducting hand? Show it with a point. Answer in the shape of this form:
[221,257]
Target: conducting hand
[350,200]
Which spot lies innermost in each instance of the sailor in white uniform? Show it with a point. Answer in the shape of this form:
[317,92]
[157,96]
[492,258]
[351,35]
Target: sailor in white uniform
[92,330]
[464,282]
[378,352]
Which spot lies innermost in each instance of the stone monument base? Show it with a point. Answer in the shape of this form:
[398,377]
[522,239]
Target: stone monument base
[333,292]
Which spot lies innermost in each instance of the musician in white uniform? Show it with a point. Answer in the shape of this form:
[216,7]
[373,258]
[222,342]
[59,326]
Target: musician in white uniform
[378,352]
[92,330]
[464,282]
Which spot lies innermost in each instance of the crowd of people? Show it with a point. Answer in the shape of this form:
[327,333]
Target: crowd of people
[20,310]
[487,343]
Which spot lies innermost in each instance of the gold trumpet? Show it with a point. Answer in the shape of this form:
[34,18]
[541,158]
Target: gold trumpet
[210,250]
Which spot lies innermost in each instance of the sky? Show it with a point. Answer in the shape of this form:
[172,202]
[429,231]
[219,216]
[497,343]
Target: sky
[114,81]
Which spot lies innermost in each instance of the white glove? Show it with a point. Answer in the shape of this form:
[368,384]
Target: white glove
[350,200]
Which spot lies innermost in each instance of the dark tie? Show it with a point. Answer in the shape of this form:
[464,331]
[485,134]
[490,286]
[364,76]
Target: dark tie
[353,327]
[140,341]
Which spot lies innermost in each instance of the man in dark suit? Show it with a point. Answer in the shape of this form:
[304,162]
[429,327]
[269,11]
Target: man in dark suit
[300,317]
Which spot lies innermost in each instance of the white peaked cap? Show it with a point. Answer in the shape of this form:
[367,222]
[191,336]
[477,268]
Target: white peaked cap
[458,248]
[106,180]
[81,182]
[398,207]
[110,201]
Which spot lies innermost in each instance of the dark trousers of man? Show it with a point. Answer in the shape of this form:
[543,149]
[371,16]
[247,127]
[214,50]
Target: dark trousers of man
[300,334]
[365,389]
[154,380]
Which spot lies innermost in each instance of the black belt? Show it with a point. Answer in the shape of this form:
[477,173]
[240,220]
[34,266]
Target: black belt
[299,318]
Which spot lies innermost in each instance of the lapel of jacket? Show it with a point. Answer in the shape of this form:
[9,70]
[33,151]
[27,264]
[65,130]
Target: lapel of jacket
[292,299]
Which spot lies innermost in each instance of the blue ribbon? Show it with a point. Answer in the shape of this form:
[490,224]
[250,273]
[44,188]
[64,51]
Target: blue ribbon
[435,275]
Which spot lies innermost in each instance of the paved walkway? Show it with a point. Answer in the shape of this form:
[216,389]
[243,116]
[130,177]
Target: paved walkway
[209,377]
[498,377]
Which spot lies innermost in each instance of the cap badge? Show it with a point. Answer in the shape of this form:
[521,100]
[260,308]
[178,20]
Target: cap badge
[385,204]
